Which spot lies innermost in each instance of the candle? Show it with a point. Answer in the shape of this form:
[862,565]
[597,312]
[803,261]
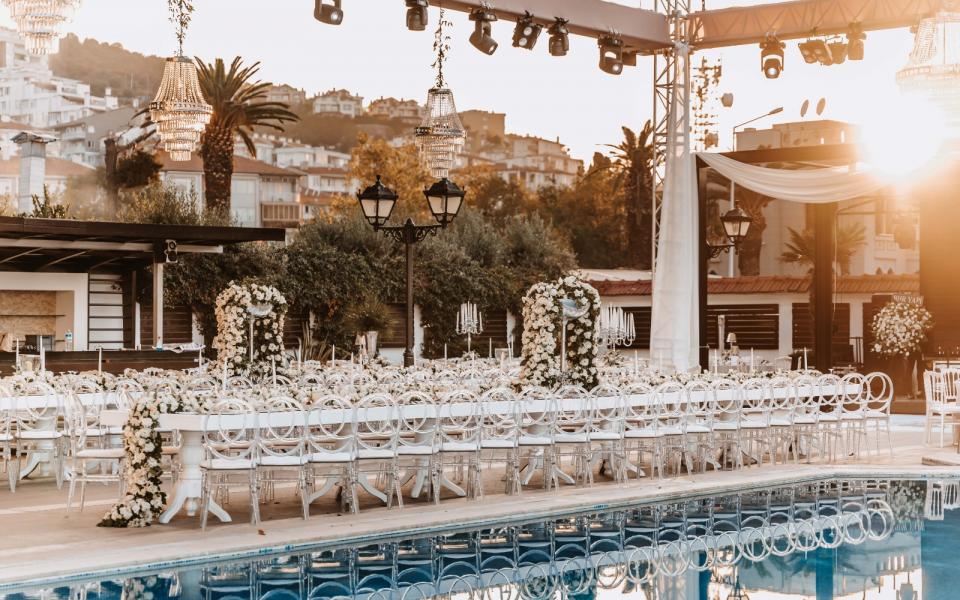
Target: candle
[751,360]
[16,360]
[479,322]
[445,350]
[273,370]
[43,355]
[333,355]
[716,362]
[226,374]
[300,356]
[490,340]
[100,360]
[200,357]
[804,359]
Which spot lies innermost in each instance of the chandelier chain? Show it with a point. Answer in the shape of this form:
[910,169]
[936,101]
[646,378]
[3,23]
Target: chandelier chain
[181,11]
[441,46]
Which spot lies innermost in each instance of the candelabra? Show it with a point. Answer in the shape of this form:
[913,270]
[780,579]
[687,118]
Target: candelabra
[469,321]
[616,328]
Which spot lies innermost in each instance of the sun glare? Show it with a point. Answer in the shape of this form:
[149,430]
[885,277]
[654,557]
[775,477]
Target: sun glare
[901,135]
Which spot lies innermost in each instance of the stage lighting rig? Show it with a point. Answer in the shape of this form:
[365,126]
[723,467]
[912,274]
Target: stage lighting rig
[559,37]
[771,57]
[482,36]
[331,14]
[527,32]
[417,15]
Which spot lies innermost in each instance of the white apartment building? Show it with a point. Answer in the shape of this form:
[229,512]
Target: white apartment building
[261,193]
[409,111]
[30,93]
[302,156]
[81,141]
[287,94]
[880,254]
[9,130]
[338,102]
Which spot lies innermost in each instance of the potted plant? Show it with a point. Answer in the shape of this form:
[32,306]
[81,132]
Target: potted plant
[370,317]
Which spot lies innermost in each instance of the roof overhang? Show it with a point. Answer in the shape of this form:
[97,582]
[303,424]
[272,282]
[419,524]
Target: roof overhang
[61,245]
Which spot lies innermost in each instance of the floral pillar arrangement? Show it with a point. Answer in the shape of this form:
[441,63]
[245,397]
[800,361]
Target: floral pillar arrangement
[542,340]
[249,329]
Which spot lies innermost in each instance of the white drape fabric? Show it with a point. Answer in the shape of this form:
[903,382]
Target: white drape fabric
[809,186]
[674,328]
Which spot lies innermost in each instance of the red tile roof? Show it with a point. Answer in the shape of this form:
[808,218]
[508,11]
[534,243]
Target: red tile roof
[240,165]
[56,167]
[324,171]
[777,284]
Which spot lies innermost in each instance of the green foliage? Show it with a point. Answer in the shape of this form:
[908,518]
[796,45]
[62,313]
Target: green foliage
[370,315]
[47,208]
[103,65]
[801,249]
[198,278]
[137,170]
[161,204]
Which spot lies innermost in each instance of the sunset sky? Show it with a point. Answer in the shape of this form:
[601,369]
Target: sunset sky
[374,54]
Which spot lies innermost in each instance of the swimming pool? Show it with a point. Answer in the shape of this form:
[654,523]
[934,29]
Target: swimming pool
[849,538]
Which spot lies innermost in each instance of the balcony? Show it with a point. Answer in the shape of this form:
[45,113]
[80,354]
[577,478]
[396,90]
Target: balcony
[287,215]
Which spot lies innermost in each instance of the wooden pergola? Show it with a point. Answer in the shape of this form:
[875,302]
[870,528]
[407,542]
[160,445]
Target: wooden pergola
[31,245]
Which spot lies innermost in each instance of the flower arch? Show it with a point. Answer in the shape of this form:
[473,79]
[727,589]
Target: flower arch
[542,323]
[235,308]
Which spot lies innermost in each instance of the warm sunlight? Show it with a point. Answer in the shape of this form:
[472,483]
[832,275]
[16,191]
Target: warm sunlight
[901,135]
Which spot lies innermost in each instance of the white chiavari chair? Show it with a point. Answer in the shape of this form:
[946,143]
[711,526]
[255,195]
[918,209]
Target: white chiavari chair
[230,450]
[806,415]
[459,431]
[938,405]
[91,445]
[36,420]
[699,412]
[377,426]
[641,424]
[879,389]
[571,431]
[332,451]
[500,434]
[606,433]
[281,443]
[417,447]
[7,439]
[537,409]
[831,412]
[854,410]
[728,435]
[951,377]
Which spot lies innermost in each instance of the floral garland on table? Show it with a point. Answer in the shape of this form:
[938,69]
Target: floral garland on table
[143,453]
[542,322]
[232,341]
[900,329]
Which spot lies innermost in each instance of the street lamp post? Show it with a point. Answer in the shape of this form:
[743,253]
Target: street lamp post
[773,111]
[377,203]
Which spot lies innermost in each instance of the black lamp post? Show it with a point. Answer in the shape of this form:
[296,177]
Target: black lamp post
[445,198]
[736,224]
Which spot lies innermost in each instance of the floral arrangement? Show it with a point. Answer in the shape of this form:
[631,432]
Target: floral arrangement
[906,499]
[232,341]
[900,328]
[143,452]
[542,323]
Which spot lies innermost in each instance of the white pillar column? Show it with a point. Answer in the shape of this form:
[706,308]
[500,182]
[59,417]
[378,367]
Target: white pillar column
[157,304]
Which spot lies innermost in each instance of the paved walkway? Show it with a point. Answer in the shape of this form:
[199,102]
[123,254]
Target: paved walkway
[41,540]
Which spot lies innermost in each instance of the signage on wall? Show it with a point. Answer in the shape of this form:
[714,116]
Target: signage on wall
[909,299]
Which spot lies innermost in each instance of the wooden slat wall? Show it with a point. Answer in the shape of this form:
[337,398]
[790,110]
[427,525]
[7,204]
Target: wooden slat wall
[177,324]
[105,318]
[641,321]
[394,336]
[494,328]
[803,330]
[292,330]
[757,325]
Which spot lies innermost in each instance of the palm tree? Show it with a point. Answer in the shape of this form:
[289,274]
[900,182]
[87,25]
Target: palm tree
[632,160]
[238,107]
[801,249]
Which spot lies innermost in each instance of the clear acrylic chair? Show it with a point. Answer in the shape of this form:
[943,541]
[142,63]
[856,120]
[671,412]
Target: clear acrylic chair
[500,434]
[230,454]
[36,430]
[281,444]
[331,451]
[641,433]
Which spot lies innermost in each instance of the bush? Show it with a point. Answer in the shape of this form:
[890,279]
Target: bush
[160,204]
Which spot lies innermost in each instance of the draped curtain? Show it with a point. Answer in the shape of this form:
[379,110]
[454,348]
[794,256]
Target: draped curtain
[675,335]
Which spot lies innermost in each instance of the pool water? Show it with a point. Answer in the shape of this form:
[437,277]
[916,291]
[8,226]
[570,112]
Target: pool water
[851,538]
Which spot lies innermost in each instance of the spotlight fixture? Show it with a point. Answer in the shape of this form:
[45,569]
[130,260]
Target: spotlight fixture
[816,50]
[611,54]
[527,32]
[771,57]
[559,37]
[808,52]
[417,16]
[482,36]
[838,52]
[331,14]
[855,42]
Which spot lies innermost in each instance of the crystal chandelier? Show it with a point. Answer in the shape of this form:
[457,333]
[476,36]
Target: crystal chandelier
[39,21]
[440,137]
[179,110]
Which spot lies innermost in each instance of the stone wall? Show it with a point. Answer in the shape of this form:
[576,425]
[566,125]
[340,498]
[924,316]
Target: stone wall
[26,313]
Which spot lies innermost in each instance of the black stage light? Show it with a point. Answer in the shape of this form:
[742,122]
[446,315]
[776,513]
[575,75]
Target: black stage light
[527,32]
[559,37]
[417,15]
[331,14]
[482,38]
[771,57]
[611,55]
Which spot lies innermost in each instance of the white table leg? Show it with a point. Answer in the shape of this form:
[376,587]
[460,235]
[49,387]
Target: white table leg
[366,484]
[190,485]
[38,458]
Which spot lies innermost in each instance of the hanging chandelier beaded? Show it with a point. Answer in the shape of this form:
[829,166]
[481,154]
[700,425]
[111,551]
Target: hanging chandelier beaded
[179,109]
[39,22]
